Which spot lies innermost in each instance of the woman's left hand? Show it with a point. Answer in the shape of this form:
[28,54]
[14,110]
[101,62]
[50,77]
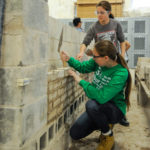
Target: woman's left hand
[74,75]
[64,56]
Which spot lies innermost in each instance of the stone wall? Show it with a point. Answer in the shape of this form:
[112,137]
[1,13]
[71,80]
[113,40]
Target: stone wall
[38,100]
[142,78]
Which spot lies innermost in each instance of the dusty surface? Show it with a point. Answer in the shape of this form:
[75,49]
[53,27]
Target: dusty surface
[134,137]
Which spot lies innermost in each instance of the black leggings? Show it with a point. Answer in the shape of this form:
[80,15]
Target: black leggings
[96,117]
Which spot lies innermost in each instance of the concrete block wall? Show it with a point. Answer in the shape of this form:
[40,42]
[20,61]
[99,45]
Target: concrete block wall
[141,64]
[23,72]
[38,100]
[143,81]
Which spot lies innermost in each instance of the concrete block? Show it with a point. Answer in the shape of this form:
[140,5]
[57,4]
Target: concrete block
[53,49]
[13,24]
[53,55]
[10,126]
[35,14]
[57,102]
[12,95]
[77,37]
[34,118]
[29,48]
[52,114]
[53,64]
[35,48]
[67,34]
[147,76]
[31,146]
[51,77]
[52,96]
[11,50]
[19,124]
[81,37]
[5,147]
[70,48]
[140,69]
[55,28]
[13,6]
[143,94]
[20,16]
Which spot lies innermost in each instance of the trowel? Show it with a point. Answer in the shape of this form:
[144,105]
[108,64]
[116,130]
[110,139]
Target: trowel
[59,47]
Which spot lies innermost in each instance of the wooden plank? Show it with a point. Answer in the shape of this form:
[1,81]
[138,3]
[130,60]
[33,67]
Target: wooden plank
[82,2]
[88,11]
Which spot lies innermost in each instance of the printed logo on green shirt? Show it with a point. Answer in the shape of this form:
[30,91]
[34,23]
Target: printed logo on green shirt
[100,79]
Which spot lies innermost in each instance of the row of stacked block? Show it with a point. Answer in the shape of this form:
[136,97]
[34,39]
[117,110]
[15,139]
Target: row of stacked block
[142,81]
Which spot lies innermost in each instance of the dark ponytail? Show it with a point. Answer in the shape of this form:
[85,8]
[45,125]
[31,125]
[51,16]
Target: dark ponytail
[121,61]
[107,48]
[111,16]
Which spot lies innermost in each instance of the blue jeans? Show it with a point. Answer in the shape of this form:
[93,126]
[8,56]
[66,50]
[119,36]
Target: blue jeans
[96,117]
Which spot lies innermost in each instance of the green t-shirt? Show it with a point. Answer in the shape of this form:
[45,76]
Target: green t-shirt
[108,83]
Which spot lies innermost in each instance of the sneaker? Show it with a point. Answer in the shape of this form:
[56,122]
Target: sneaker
[111,126]
[124,122]
[106,143]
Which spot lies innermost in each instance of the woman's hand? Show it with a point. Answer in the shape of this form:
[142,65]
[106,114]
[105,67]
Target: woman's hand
[80,56]
[89,52]
[64,56]
[75,76]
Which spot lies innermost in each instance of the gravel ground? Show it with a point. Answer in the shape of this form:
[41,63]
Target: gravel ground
[134,137]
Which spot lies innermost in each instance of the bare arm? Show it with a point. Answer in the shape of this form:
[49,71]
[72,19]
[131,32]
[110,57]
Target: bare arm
[82,50]
[123,48]
[127,45]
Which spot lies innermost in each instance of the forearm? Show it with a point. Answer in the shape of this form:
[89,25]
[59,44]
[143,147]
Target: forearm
[127,45]
[82,48]
[123,48]
[84,67]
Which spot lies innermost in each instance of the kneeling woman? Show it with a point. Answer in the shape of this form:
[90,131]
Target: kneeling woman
[108,93]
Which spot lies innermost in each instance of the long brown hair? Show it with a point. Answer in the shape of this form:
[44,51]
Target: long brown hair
[107,48]
[107,6]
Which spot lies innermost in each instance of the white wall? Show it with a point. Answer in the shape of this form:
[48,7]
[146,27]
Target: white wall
[134,8]
[65,8]
[61,8]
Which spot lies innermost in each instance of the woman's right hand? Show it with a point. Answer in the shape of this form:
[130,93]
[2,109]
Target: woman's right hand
[64,56]
[80,55]
[82,50]
[74,75]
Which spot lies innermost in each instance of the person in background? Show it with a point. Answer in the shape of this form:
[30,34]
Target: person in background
[77,24]
[106,28]
[108,93]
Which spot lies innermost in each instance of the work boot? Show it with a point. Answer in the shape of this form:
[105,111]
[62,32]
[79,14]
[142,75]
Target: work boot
[106,143]
[111,126]
[124,122]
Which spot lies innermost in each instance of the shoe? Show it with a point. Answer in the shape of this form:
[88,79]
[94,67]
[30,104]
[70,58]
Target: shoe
[124,122]
[111,126]
[106,143]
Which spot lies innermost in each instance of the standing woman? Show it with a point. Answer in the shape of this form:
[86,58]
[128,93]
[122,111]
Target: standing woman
[105,28]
